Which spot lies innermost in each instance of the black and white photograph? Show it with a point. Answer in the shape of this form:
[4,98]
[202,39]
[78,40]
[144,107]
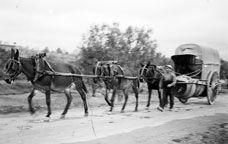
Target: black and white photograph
[113,72]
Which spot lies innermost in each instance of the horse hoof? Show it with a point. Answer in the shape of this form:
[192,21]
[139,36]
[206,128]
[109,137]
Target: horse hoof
[32,112]
[147,108]
[160,109]
[136,110]
[111,110]
[86,114]
[122,111]
[47,119]
[109,113]
[62,117]
[171,110]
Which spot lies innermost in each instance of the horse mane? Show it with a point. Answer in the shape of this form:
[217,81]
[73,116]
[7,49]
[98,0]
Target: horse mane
[112,66]
[47,64]
[29,71]
[116,69]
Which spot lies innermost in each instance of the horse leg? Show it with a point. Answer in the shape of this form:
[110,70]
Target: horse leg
[149,98]
[136,91]
[83,96]
[125,91]
[48,102]
[159,97]
[94,87]
[69,99]
[113,99]
[106,97]
[31,95]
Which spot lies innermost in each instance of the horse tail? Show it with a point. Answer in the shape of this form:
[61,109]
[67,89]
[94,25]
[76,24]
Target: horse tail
[78,80]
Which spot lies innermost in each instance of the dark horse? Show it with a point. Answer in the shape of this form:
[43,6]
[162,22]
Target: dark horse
[153,77]
[109,70]
[46,83]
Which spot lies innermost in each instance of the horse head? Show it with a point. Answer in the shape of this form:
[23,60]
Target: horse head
[97,71]
[148,71]
[108,68]
[101,69]
[12,67]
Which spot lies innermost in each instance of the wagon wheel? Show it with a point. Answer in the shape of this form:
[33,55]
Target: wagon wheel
[212,88]
[183,100]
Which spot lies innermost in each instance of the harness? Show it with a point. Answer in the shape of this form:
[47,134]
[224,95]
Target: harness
[109,72]
[147,78]
[17,72]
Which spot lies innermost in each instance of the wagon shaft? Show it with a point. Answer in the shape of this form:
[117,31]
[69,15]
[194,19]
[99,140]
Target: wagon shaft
[87,76]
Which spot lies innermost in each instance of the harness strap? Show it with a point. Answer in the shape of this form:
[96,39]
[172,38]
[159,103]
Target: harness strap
[191,74]
[49,66]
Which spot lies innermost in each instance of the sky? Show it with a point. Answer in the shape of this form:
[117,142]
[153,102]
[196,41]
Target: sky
[61,23]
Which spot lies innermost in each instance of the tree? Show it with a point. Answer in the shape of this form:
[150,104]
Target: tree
[129,47]
[224,69]
[46,50]
[59,51]
[4,56]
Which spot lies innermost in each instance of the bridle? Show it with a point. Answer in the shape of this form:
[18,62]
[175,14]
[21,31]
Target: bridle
[105,72]
[146,77]
[101,73]
[142,71]
[16,72]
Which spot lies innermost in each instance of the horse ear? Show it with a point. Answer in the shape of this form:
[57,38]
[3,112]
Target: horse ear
[12,53]
[148,63]
[16,56]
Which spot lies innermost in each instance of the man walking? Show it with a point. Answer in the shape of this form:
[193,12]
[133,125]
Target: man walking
[167,82]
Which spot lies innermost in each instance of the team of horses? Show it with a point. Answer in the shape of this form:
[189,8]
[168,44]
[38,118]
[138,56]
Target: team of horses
[107,71]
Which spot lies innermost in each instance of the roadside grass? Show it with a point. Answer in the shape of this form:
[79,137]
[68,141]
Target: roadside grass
[18,87]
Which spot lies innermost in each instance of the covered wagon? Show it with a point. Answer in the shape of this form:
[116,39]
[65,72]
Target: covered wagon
[197,69]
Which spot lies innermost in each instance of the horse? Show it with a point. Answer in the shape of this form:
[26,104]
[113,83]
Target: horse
[47,83]
[108,72]
[153,77]
[96,83]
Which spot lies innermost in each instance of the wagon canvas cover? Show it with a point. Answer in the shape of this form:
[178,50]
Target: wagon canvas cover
[208,58]
[208,55]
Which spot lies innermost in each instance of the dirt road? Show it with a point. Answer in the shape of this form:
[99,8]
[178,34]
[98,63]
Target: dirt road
[194,122]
